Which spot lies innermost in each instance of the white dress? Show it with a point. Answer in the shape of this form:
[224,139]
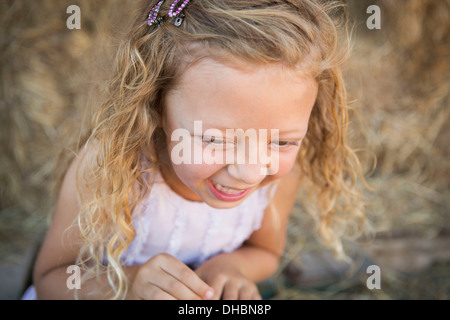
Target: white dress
[190,231]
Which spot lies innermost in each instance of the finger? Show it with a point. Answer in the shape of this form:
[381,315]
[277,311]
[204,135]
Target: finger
[247,292]
[162,295]
[166,282]
[218,284]
[230,291]
[153,292]
[256,296]
[159,280]
[178,289]
[187,277]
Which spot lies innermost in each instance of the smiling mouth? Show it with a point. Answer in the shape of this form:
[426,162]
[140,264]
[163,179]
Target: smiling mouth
[226,193]
[227,189]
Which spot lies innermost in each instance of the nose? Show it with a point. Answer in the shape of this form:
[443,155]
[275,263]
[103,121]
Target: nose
[250,174]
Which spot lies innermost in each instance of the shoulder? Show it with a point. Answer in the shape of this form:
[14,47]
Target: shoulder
[61,247]
[74,179]
[74,189]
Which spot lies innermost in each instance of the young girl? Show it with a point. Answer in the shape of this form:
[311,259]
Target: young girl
[143,224]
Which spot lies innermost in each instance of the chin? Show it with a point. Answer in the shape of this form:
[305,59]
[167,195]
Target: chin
[218,204]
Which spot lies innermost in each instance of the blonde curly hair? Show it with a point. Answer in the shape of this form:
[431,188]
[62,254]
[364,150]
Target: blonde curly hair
[312,34]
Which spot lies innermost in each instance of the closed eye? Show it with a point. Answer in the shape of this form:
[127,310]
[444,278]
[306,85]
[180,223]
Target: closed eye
[280,143]
[214,140]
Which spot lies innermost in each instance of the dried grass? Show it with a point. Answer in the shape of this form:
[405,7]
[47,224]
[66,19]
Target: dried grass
[398,78]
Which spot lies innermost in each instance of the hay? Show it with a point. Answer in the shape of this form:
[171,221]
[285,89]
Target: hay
[398,77]
[50,78]
[404,100]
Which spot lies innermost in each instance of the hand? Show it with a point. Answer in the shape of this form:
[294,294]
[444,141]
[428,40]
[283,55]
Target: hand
[227,280]
[164,277]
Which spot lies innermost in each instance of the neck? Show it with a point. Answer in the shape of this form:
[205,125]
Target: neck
[172,180]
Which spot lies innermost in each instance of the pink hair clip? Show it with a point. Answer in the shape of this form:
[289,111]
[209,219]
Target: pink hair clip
[153,15]
[174,11]
[180,8]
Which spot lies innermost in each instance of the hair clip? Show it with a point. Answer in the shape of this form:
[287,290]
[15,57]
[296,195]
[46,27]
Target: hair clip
[180,8]
[153,15]
[177,13]
[179,20]
[174,11]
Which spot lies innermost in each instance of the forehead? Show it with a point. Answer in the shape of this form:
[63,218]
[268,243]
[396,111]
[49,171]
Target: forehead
[243,95]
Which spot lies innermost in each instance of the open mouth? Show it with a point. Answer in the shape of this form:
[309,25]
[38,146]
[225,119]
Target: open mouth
[226,193]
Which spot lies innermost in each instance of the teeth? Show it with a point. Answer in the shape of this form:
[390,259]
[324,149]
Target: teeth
[226,190]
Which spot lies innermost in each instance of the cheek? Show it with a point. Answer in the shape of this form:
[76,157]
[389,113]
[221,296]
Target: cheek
[286,162]
[191,174]
[185,168]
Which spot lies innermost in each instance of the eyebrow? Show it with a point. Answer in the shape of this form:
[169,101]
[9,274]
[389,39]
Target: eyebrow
[301,133]
[206,127]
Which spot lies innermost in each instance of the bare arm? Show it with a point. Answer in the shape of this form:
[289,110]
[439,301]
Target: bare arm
[62,245]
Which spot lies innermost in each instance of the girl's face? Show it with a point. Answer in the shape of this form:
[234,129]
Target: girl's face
[268,100]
